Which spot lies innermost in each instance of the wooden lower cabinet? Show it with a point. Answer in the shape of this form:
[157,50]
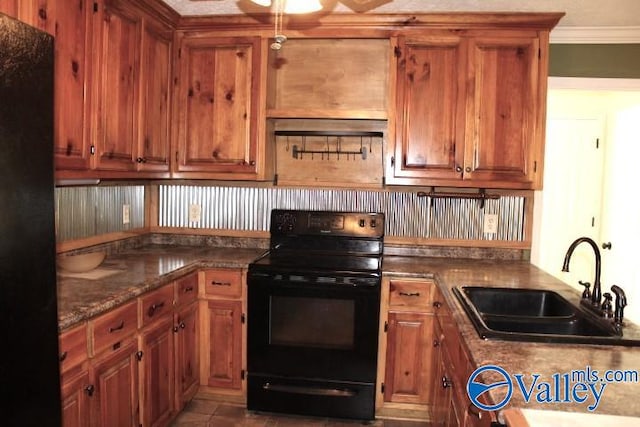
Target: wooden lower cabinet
[77,390]
[187,344]
[405,360]
[441,390]
[451,405]
[225,346]
[157,373]
[114,375]
[423,362]
[77,394]
[223,332]
[408,373]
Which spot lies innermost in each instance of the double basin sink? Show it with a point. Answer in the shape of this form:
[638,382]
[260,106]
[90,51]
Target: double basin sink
[534,315]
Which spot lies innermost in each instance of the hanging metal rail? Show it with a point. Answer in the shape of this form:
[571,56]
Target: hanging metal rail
[297,152]
[482,195]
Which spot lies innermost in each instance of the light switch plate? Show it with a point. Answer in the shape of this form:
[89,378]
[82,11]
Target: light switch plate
[490,223]
[126,218]
[195,212]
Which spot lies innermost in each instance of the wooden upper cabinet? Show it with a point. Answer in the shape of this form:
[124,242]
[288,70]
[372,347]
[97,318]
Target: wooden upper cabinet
[118,47]
[217,108]
[131,92]
[470,109]
[430,108]
[70,22]
[33,12]
[72,32]
[155,82]
[503,135]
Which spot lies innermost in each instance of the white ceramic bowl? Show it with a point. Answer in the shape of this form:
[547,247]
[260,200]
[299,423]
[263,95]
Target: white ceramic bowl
[82,262]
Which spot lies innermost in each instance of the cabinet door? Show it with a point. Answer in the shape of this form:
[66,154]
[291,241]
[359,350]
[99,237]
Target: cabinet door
[225,349]
[187,354]
[430,106]
[72,32]
[217,112]
[118,47]
[157,372]
[115,376]
[408,375]
[153,140]
[69,22]
[32,12]
[503,133]
[76,394]
[439,391]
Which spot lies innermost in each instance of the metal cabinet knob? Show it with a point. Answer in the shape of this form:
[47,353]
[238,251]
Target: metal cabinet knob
[446,382]
[90,389]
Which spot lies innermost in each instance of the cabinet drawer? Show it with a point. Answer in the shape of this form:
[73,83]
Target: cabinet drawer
[411,294]
[73,347]
[187,289]
[113,327]
[154,304]
[222,282]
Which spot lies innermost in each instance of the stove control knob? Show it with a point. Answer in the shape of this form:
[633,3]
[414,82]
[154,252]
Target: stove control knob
[362,223]
[372,224]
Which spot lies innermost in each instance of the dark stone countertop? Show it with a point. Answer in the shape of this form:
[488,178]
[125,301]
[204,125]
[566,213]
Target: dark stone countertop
[139,271]
[155,265]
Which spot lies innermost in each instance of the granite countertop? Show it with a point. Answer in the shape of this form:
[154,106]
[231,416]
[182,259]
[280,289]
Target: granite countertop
[140,270]
[136,272]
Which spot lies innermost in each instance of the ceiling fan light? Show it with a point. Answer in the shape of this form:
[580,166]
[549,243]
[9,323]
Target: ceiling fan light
[264,3]
[302,6]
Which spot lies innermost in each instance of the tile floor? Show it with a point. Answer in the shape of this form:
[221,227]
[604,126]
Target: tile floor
[209,413]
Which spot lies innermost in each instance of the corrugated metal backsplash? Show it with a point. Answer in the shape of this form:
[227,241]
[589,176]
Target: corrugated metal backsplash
[89,211]
[407,215]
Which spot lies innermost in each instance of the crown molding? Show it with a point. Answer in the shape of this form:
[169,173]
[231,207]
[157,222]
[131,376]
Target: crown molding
[595,35]
[581,83]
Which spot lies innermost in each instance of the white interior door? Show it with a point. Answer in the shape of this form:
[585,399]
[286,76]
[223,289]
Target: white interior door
[621,207]
[569,205]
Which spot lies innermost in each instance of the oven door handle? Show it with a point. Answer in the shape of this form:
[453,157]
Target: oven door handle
[315,391]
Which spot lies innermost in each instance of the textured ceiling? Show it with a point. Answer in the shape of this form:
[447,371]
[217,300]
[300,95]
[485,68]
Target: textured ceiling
[579,13]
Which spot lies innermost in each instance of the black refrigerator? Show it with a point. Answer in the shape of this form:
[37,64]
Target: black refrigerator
[29,370]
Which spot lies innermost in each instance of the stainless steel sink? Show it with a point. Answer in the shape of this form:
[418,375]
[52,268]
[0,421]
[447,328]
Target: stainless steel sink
[534,315]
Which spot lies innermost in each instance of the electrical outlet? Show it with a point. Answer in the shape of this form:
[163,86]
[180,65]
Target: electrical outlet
[125,214]
[195,212]
[490,223]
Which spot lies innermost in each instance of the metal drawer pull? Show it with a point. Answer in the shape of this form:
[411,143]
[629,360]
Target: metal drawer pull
[188,289]
[220,283]
[314,391]
[63,356]
[409,294]
[117,328]
[154,307]
[437,304]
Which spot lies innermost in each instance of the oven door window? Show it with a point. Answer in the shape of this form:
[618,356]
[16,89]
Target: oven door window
[326,323]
